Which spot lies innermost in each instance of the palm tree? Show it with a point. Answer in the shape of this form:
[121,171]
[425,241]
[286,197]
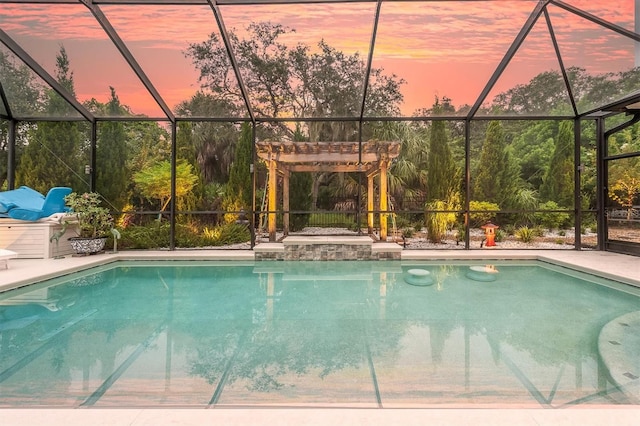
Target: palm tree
[408,173]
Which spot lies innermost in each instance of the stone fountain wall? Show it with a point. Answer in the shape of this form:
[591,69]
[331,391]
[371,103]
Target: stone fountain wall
[312,248]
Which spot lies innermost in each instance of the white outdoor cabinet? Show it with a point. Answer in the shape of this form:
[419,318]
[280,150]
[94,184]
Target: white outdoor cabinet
[31,240]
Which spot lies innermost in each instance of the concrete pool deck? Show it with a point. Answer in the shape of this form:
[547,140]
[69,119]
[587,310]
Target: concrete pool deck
[610,265]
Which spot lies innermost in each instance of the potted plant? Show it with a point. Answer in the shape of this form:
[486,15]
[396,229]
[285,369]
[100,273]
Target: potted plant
[93,222]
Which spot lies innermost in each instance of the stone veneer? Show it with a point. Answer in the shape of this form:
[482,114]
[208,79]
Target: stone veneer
[327,248]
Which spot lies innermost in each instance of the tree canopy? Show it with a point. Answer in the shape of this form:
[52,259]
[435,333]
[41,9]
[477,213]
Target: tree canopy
[298,81]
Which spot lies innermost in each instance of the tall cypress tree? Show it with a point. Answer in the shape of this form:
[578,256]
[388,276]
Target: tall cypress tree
[557,184]
[53,156]
[442,174]
[240,184]
[112,177]
[494,181]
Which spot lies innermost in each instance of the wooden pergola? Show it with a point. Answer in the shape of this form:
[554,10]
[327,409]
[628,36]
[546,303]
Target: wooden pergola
[372,158]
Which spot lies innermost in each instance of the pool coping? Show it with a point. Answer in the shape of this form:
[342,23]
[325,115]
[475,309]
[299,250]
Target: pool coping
[622,268]
[620,416]
[618,267]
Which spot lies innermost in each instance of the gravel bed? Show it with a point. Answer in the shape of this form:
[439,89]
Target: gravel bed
[552,240]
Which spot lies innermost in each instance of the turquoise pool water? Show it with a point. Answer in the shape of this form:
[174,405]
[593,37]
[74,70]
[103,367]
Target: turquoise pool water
[302,334]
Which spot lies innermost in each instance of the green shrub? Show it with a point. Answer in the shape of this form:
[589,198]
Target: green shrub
[509,229]
[438,222]
[551,220]
[523,199]
[155,236]
[484,212]
[538,231]
[232,233]
[189,236]
[152,236]
[525,234]
[500,235]
[407,232]
[402,222]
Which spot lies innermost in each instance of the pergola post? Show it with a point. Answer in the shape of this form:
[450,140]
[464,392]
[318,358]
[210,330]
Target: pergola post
[285,200]
[383,200]
[271,215]
[370,199]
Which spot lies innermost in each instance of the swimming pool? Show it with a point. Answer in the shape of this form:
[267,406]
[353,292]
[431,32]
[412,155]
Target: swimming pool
[301,334]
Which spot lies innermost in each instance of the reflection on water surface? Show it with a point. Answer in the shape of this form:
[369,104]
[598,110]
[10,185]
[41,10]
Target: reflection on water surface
[351,334]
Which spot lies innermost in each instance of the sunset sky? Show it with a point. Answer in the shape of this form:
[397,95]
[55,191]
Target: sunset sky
[440,48]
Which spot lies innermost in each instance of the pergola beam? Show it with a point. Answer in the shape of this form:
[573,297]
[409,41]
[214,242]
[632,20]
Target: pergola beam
[330,168]
[328,157]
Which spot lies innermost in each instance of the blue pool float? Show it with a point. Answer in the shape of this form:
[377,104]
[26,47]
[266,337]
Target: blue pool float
[28,204]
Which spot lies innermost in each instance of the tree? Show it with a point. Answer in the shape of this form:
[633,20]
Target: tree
[532,147]
[23,94]
[154,183]
[408,173]
[147,144]
[53,154]
[490,177]
[443,191]
[285,80]
[546,92]
[213,143]
[625,190]
[497,179]
[111,177]
[558,182]
[240,185]
[442,173]
[22,90]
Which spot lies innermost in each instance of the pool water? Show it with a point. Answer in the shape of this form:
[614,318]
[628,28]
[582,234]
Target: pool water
[310,334]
